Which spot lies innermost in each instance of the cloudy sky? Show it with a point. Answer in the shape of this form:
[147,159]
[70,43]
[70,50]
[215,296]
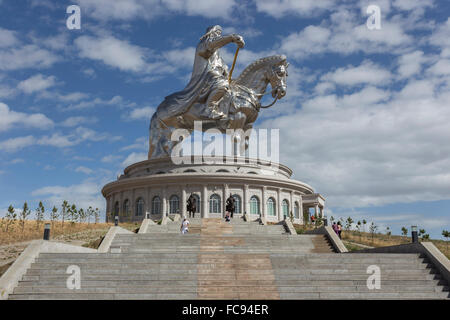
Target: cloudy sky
[366,120]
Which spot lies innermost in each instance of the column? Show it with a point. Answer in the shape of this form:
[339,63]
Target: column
[246,206]
[279,207]
[183,201]
[263,202]
[164,202]
[291,205]
[148,203]
[121,213]
[204,201]
[133,206]
[316,210]
[226,194]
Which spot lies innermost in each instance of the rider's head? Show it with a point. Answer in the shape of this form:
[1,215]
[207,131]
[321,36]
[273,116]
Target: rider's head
[212,32]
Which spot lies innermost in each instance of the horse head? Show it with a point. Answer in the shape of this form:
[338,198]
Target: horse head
[277,78]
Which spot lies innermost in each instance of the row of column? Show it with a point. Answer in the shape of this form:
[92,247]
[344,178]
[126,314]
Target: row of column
[205,201]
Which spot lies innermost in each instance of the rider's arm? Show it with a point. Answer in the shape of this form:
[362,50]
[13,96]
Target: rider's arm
[220,42]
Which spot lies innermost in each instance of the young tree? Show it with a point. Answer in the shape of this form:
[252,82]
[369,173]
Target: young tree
[40,212]
[89,214]
[404,231]
[73,213]
[388,232]
[358,227]
[373,228]
[81,215]
[97,215]
[64,212]
[10,218]
[348,223]
[54,215]
[446,235]
[364,225]
[23,215]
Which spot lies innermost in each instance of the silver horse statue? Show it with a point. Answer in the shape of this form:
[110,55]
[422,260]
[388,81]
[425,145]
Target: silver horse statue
[215,99]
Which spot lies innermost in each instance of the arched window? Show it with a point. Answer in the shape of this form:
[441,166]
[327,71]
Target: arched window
[174,204]
[139,207]
[156,205]
[237,203]
[271,208]
[189,170]
[126,208]
[116,208]
[222,170]
[285,208]
[254,205]
[296,210]
[214,204]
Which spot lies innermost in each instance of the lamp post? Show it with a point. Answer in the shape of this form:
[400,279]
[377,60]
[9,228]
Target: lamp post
[47,231]
[414,235]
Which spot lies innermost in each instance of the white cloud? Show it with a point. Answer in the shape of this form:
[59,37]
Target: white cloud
[140,144]
[410,64]
[15,144]
[149,9]
[113,52]
[57,139]
[442,67]
[78,120]
[280,8]
[371,147]
[27,56]
[86,104]
[412,4]
[181,57]
[82,195]
[141,114]
[344,34]
[37,82]
[84,170]
[366,73]
[110,158]
[7,38]
[10,119]
[134,157]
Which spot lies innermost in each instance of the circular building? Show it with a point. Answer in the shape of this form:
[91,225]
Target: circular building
[160,187]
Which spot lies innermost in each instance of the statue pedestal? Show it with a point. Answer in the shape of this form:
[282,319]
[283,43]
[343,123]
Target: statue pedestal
[161,188]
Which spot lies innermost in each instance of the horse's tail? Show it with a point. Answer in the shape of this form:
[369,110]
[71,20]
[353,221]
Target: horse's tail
[153,134]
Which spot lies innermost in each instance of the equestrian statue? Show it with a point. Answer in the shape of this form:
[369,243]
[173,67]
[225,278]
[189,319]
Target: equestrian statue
[213,97]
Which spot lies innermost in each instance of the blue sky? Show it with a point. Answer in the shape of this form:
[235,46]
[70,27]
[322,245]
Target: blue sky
[365,119]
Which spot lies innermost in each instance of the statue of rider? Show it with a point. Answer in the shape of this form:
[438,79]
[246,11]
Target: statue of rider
[209,80]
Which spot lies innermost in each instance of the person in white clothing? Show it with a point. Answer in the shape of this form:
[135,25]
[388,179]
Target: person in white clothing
[185,226]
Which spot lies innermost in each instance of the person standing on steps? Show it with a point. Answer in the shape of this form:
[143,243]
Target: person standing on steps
[184,226]
[334,226]
[339,228]
[227,216]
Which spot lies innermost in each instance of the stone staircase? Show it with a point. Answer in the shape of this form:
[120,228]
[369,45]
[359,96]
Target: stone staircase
[236,260]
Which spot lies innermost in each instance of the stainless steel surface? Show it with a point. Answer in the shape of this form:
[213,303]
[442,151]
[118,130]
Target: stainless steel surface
[209,96]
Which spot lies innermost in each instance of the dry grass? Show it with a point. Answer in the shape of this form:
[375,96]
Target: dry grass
[70,231]
[382,240]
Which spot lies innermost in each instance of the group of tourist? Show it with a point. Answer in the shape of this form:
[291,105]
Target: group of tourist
[337,228]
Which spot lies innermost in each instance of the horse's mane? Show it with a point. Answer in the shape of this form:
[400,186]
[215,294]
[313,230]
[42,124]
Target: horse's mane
[258,64]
